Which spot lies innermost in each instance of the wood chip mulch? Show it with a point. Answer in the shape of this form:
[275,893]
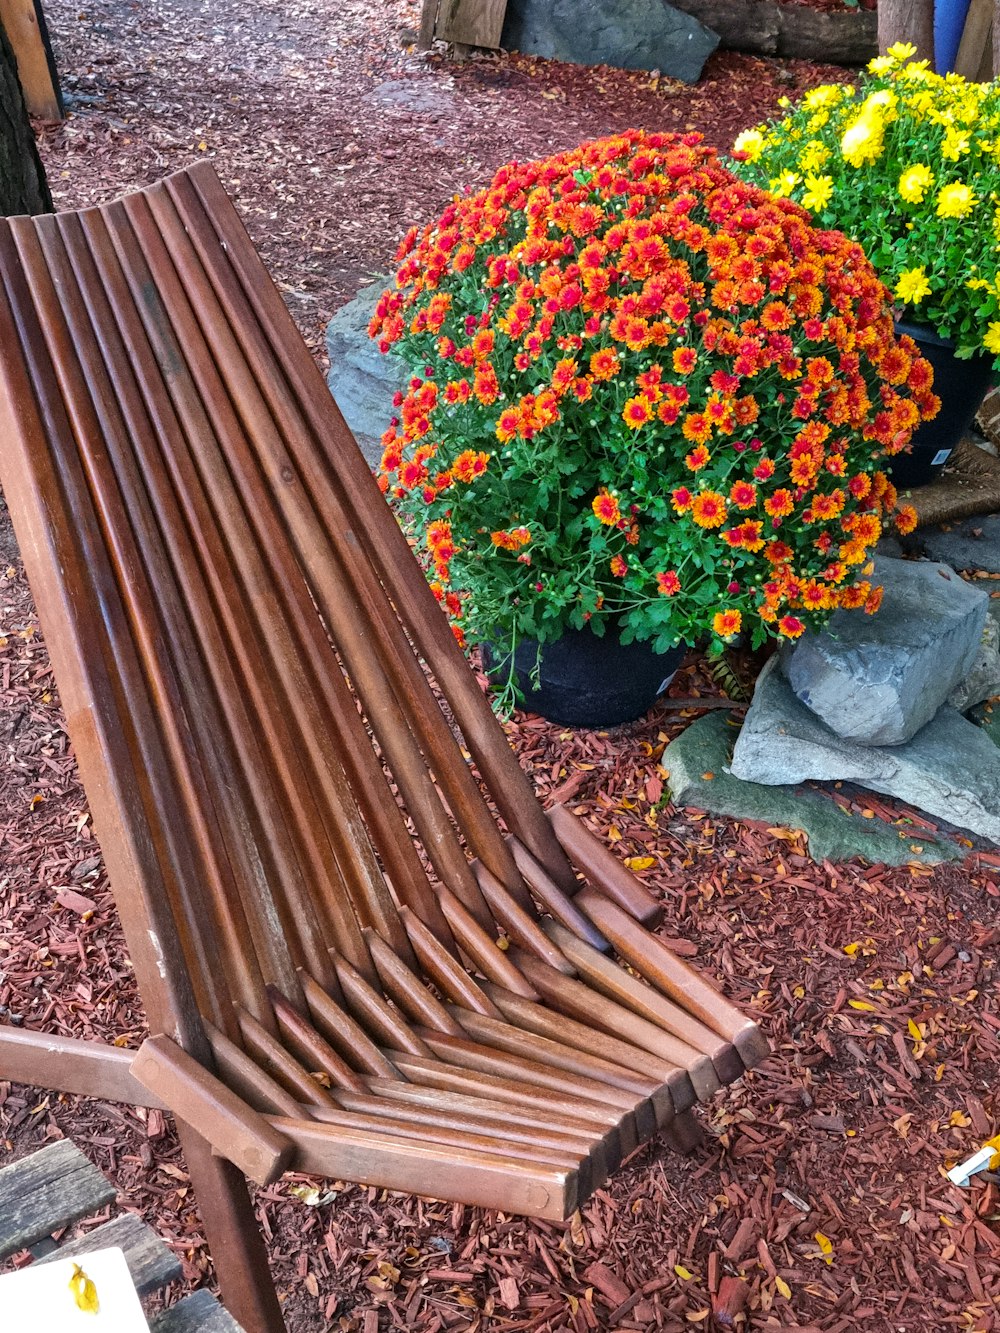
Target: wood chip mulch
[819,1202]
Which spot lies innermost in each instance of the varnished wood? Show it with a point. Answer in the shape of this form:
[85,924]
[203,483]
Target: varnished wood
[220,1116]
[489,1180]
[24,24]
[343,946]
[603,869]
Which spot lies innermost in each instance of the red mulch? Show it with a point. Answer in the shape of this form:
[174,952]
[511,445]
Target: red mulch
[876,987]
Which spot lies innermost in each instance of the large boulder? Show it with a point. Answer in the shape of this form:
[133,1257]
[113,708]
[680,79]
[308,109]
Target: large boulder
[361,378]
[983,680]
[950,768]
[631,34]
[879,679]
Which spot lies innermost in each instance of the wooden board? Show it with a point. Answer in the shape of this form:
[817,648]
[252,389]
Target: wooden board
[25,25]
[149,1261]
[467,22]
[46,1191]
[198,1313]
[975,52]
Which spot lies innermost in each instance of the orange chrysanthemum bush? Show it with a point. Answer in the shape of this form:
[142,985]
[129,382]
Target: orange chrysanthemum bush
[647,393]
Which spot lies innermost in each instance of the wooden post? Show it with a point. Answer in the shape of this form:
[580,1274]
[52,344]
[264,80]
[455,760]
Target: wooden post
[25,25]
[907,21]
[234,1239]
[975,52]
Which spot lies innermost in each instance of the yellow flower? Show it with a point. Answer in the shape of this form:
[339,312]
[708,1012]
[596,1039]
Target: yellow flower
[827,95]
[955,144]
[813,156]
[782,186]
[901,51]
[955,200]
[881,64]
[922,103]
[819,191]
[883,99]
[912,286]
[992,339]
[750,142]
[914,183]
[863,140]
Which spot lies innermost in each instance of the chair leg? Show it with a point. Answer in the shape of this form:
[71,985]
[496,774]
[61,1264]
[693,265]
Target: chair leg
[233,1235]
[684,1133]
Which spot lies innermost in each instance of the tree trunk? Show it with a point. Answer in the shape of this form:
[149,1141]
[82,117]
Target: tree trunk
[23,187]
[907,21]
[996,38]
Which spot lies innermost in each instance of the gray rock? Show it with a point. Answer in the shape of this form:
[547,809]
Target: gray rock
[972,543]
[361,378]
[631,34]
[878,679]
[950,769]
[983,680]
[697,760]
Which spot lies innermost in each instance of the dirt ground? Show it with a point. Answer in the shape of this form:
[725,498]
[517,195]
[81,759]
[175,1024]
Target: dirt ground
[822,1183]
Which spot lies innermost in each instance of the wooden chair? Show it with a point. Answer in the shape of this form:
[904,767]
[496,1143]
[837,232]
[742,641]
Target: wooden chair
[314,859]
[55,1187]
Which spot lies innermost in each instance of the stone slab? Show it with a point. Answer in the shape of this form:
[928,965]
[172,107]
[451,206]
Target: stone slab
[629,34]
[971,543]
[706,746]
[983,680]
[950,769]
[878,679]
[361,378]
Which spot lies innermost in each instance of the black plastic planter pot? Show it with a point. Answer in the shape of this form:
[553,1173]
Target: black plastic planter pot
[586,681]
[961,386]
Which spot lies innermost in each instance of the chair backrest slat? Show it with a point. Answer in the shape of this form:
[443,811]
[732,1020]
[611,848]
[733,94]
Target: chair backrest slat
[84,626]
[337,455]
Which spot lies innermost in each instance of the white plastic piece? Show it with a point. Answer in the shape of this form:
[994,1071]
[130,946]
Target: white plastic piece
[979,1161]
[40,1297]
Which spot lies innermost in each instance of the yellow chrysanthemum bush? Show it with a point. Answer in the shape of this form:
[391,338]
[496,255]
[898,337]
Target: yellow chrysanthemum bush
[644,392]
[908,164]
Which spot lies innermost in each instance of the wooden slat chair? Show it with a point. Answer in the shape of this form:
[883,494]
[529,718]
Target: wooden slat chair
[301,840]
[55,1187]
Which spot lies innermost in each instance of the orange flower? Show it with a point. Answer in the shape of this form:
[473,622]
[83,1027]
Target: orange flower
[469,465]
[780,503]
[727,623]
[873,601]
[681,499]
[605,364]
[790,627]
[697,458]
[668,583]
[827,506]
[696,427]
[855,595]
[605,508]
[815,596]
[637,411]
[905,519]
[709,509]
[512,540]
[685,359]
[619,566]
[438,534]
[507,424]
[743,494]
[803,470]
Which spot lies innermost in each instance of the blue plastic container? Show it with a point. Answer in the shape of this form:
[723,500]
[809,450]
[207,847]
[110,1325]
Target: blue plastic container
[949,20]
